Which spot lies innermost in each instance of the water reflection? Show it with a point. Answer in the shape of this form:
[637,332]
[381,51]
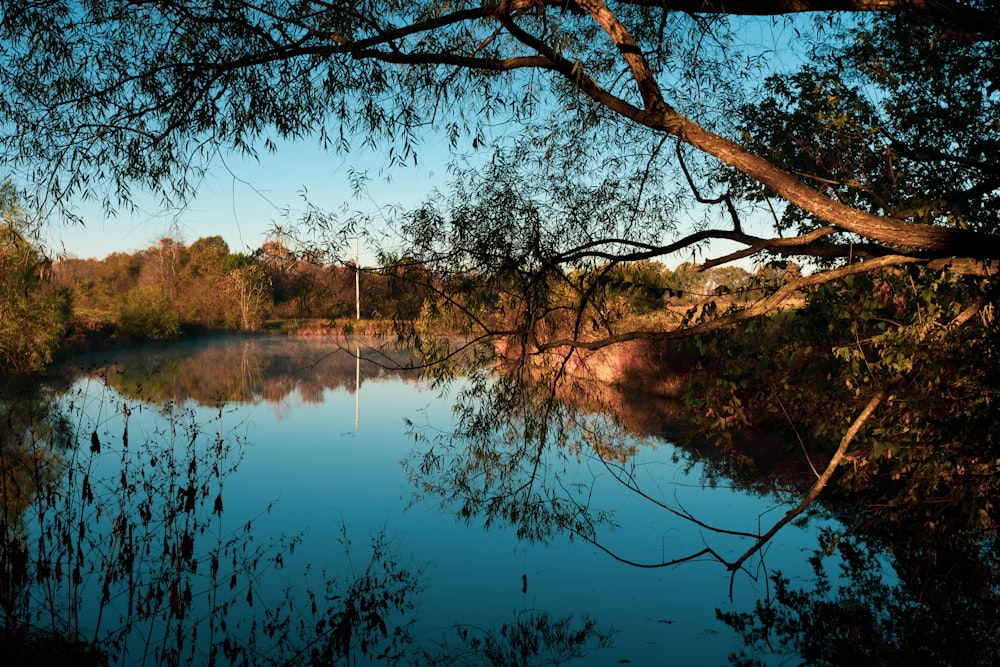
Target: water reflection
[133,531]
[220,502]
[855,611]
[241,369]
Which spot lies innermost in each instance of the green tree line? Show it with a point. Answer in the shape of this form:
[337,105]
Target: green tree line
[153,292]
[156,292]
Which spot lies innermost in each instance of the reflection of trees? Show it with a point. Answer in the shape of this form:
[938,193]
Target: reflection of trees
[120,554]
[534,638]
[505,460]
[232,372]
[28,417]
[251,369]
[123,550]
[508,460]
[115,539]
[942,610]
[912,577]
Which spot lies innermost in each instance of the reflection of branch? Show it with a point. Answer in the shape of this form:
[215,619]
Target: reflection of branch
[627,479]
[677,561]
[816,488]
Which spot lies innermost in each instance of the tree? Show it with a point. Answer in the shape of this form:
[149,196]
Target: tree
[250,294]
[162,266]
[861,139]
[151,94]
[96,283]
[34,314]
[206,256]
[202,291]
[862,617]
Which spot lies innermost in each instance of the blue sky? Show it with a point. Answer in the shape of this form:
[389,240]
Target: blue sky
[242,200]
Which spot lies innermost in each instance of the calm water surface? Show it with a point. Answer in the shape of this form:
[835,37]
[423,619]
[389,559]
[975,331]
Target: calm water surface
[316,444]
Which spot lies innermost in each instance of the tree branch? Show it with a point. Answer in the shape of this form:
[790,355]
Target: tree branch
[957,14]
[649,89]
[774,300]
[892,232]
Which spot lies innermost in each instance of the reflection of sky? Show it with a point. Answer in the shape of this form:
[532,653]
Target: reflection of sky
[320,473]
[324,473]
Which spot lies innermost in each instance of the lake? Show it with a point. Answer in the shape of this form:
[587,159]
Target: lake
[262,500]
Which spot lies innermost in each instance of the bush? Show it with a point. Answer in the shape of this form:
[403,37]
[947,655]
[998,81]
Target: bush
[147,313]
[32,324]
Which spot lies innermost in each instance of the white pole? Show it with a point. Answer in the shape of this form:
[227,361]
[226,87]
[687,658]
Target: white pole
[357,278]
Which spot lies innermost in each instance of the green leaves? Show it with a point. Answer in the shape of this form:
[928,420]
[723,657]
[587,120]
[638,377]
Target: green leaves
[911,332]
[33,313]
[147,313]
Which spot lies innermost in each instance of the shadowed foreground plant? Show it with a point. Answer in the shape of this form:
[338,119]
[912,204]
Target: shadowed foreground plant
[114,548]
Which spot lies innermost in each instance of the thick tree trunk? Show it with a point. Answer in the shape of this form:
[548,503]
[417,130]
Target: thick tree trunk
[934,240]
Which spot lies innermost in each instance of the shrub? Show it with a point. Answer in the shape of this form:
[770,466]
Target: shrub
[147,313]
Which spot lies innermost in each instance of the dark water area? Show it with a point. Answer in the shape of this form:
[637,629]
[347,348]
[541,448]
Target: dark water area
[262,501]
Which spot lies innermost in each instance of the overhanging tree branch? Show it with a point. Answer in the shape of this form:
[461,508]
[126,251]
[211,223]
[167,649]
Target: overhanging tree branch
[774,300]
[894,233]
